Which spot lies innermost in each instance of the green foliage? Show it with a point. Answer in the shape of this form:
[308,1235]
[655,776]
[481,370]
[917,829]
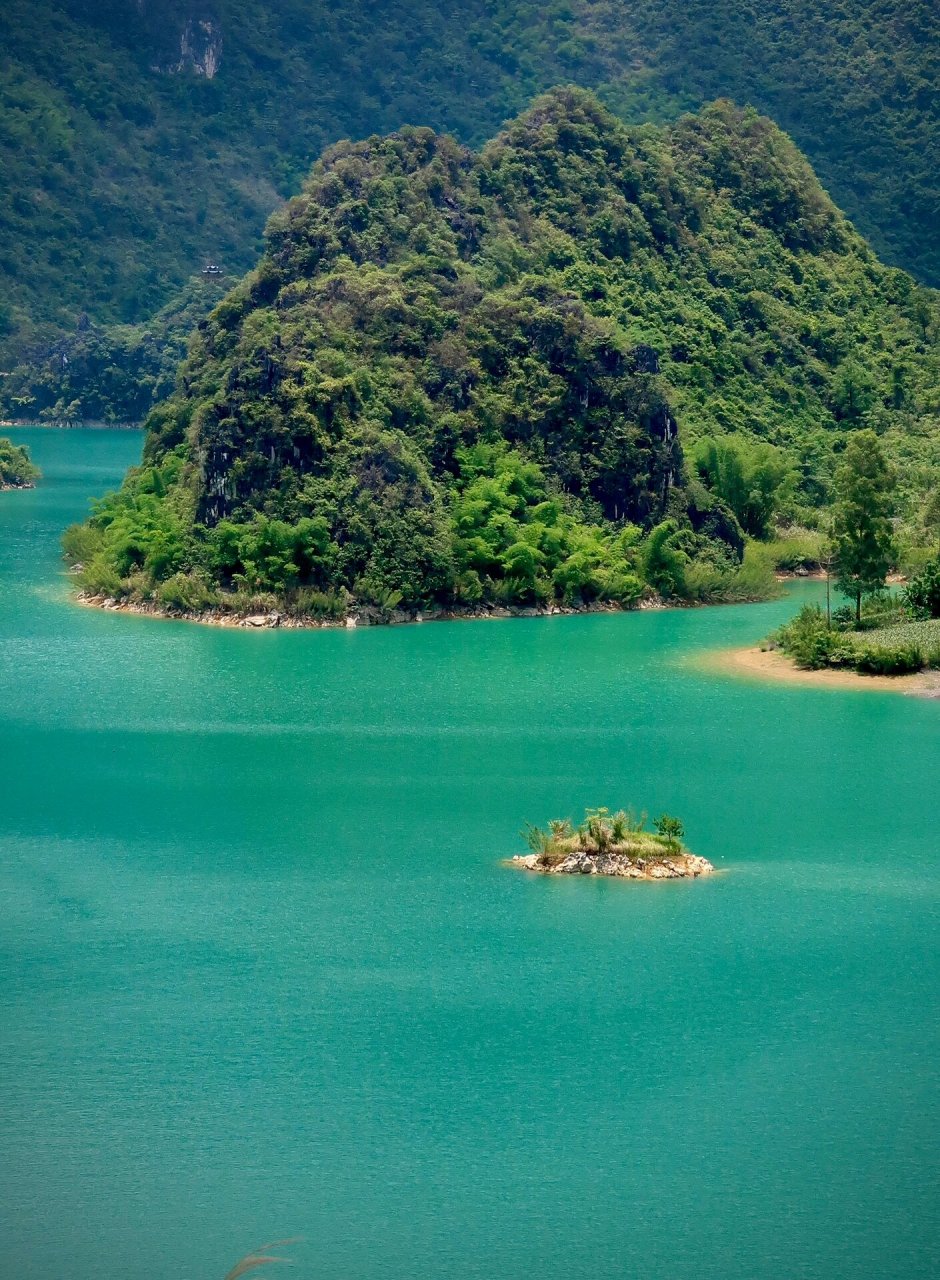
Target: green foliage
[142,139]
[861,523]
[602,832]
[755,480]
[879,660]
[509,533]
[810,641]
[81,543]
[671,829]
[708,582]
[663,563]
[880,609]
[439,384]
[923,592]
[539,841]
[187,593]
[16,469]
[115,373]
[795,551]
[266,554]
[307,602]
[924,633]
[900,648]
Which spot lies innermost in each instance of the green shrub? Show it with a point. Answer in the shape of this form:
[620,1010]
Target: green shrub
[16,469]
[808,638]
[81,543]
[880,660]
[883,609]
[756,480]
[923,592]
[620,586]
[664,565]
[753,579]
[795,551]
[243,601]
[671,829]
[308,602]
[99,578]
[186,593]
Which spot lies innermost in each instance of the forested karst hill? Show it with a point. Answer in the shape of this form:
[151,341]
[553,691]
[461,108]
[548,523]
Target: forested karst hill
[457,376]
[141,137]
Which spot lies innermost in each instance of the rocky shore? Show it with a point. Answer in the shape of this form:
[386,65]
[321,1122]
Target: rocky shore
[358,616]
[668,866]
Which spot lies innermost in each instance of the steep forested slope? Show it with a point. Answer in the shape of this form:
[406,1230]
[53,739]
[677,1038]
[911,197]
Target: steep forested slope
[456,376]
[141,137]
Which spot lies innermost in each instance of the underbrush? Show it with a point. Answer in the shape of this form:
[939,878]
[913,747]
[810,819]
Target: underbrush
[900,649]
[750,581]
[601,832]
[794,551]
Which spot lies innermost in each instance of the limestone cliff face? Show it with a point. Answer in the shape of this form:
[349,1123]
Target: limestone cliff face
[186,38]
[200,47]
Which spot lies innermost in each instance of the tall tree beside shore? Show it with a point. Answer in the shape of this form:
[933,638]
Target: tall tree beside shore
[861,526]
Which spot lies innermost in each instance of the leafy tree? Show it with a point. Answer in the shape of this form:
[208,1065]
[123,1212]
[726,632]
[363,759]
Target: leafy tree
[923,592]
[755,480]
[861,523]
[853,392]
[663,563]
[671,829]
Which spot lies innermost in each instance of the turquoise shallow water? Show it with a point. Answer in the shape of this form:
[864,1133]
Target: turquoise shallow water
[262,974]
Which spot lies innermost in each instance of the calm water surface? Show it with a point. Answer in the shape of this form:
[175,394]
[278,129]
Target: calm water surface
[261,973]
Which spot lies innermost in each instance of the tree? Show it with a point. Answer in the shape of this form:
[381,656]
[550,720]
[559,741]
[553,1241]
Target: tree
[932,515]
[671,829]
[827,562]
[853,391]
[923,592]
[861,524]
[754,479]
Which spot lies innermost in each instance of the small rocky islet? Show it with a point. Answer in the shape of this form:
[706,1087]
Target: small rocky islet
[612,844]
[16,469]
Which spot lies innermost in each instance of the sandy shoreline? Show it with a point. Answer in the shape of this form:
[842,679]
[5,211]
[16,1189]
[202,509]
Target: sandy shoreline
[771,664]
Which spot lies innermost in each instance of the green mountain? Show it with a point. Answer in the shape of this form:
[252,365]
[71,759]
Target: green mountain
[141,138]
[459,376]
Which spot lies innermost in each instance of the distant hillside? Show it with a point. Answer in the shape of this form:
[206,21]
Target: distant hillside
[458,376]
[142,137]
[111,373]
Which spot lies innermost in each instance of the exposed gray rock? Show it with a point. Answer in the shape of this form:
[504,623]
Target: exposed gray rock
[678,866]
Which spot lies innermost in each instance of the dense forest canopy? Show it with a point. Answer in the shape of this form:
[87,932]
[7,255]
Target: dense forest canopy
[142,137]
[458,376]
[111,373]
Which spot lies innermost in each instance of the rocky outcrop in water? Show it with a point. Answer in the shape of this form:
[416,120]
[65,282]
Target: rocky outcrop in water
[678,866]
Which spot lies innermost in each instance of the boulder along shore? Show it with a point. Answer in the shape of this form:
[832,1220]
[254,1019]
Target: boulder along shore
[668,866]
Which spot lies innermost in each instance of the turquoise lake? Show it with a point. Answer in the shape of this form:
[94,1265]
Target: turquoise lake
[262,973]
